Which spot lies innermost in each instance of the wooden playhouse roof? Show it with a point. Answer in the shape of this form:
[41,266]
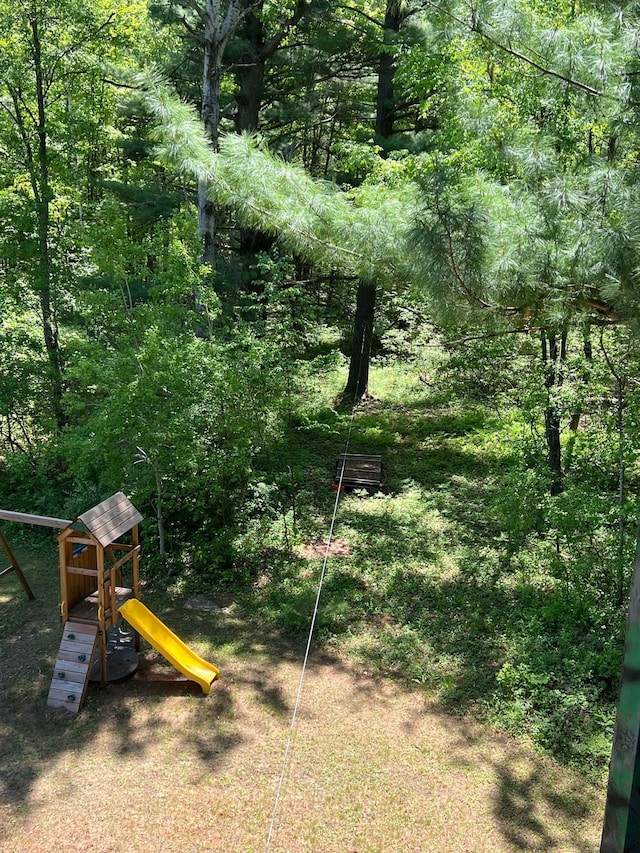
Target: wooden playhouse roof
[107,521]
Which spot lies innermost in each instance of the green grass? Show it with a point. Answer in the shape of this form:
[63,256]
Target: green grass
[452,586]
[452,582]
[374,766]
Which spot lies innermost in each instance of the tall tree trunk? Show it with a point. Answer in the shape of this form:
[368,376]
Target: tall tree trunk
[250,74]
[554,355]
[574,425]
[261,46]
[385,93]
[42,192]
[621,379]
[358,379]
[210,114]
[217,30]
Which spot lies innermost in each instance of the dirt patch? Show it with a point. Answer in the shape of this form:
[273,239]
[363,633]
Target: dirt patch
[221,602]
[318,548]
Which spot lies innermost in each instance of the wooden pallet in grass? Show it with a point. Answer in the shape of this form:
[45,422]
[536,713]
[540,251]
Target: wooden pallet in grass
[358,471]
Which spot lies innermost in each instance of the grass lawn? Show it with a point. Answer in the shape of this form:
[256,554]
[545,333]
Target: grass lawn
[152,765]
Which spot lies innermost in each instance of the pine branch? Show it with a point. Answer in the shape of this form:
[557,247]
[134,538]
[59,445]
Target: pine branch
[364,234]
[362,14]
[475,27]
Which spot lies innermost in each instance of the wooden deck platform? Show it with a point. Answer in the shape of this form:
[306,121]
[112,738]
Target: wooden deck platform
[87,609]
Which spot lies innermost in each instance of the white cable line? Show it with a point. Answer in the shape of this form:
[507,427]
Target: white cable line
[294,715]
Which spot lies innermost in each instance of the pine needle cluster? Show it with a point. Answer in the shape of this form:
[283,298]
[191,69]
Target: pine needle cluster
[362,233]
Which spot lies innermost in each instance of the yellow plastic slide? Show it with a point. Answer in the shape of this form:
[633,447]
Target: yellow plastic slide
[171,647]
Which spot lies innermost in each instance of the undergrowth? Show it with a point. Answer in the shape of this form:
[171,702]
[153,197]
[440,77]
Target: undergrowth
[457,579]
[461,575]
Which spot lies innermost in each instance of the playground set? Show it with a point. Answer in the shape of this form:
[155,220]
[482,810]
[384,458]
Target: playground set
[97,551]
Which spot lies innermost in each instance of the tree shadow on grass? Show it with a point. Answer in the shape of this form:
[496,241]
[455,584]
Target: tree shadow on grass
[444,618]
[535,804]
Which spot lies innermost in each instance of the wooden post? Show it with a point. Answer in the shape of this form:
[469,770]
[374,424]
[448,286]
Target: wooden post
[15,567]
[64,586]
[621,829]
[102,616]
[135,575]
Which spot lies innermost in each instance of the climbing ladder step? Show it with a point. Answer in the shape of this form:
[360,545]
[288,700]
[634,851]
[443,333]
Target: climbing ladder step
[73,665]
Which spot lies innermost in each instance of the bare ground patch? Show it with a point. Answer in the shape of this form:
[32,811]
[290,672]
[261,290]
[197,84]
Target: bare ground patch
[316,548]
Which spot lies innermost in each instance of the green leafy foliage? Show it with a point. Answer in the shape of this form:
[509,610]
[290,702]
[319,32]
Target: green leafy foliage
[499,217]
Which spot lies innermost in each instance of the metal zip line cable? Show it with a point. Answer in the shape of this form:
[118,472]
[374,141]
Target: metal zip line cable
[285,760]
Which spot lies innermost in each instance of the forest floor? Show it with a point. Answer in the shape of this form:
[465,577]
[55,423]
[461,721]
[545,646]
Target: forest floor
[150,764]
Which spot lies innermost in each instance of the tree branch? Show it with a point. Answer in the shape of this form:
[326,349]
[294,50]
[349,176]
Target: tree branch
[475,27]
[362,14]
[302,7]
[194,6]
[74,47]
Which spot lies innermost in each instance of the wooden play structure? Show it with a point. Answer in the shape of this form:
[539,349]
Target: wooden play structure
[96,551]
[99,556]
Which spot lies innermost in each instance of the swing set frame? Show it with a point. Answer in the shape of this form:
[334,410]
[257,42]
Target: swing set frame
[25,518]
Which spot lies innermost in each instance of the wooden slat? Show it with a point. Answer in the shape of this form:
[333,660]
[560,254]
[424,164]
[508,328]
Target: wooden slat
[124,510]
[104,507]
[59,701]
[73,641]
[78,537]
[88,607]
[85,609]
[75,648]
[78,570]
[69,662]
[363,457]
[352,465]
[41,520]
[354,472]
[80,630]
[73,685]
[73,657]
[111,529]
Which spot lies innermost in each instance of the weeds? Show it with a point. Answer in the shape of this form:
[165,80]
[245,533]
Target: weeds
[454,579]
